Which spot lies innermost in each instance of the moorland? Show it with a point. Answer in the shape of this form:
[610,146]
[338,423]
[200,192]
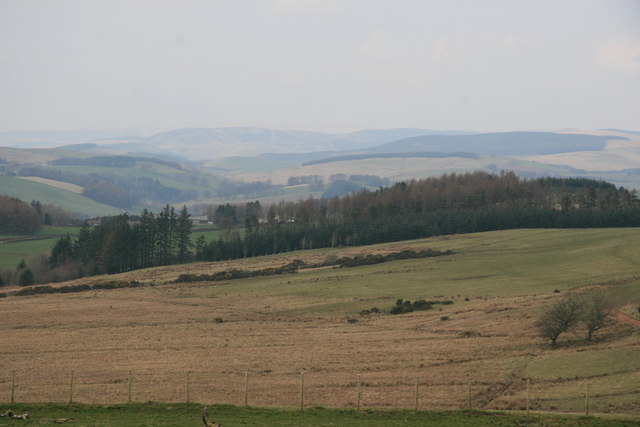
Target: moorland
[480,348]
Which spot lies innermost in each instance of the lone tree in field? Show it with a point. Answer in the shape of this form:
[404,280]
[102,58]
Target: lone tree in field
[596,313]
[563,316]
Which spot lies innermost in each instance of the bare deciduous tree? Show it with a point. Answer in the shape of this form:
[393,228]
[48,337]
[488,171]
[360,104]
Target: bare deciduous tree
[563,316]
[596,313]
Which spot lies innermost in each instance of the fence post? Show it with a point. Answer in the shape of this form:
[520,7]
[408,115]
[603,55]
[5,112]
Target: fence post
[586,400]
[130,386]
[359,392]
[417,382]
[469,395]
[71,388]
[188,384]
[302,390]
[246,388]
[13,386]
[528,396]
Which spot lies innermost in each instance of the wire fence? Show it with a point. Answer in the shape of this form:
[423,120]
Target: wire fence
[307,389]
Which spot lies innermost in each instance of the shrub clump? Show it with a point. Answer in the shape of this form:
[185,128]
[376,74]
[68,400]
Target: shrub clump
[46,289]
[233,273]
[406,306]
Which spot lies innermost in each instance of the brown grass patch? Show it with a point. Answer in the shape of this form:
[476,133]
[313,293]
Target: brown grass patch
[161,333]
[58,184]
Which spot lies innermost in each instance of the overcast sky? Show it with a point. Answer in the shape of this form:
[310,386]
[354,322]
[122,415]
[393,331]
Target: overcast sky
[326,65]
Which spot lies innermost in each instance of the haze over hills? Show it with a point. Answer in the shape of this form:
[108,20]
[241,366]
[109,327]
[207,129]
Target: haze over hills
[194,165]
[50,139]
[212,143]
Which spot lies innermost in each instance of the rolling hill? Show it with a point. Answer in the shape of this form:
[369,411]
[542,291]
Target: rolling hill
[70,201]
[481,346]
[212,143]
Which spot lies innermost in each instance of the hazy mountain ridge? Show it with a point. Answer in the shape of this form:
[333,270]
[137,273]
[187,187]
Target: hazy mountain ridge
[49,139]
[503,143]
[211,143]
[269,174]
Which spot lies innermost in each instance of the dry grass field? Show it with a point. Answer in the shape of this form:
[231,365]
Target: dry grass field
[58,184]
[482,348]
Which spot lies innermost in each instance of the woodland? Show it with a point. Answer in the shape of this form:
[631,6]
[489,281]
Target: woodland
[450,204]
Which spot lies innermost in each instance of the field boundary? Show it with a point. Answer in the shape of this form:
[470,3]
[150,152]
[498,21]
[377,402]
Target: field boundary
[299,391]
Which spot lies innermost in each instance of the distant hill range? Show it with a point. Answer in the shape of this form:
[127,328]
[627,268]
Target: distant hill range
[206,143]
[504,143]
[200,144]
[210,143]
[129,169]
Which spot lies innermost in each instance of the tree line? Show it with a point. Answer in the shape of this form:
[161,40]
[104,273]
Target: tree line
[19,217]
[451,204]
[119,244]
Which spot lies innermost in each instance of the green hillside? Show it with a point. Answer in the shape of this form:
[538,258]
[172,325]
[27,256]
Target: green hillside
[125,182]
[28,190]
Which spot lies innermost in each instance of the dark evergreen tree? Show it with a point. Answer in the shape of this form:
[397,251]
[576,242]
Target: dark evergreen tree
[26,278]
[183,228]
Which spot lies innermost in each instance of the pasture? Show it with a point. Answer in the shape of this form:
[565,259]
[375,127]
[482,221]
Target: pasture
[75,203]
[187,415]
[12,252]
[225,342]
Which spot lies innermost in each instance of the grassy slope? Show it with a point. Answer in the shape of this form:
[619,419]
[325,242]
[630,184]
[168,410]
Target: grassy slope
[178,415]
[277,325]
[12,252]
[28,190]
[162,173]
[515,262]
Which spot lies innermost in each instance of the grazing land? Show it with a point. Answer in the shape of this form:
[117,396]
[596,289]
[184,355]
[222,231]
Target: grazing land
[187,415]
[13,249]
[176,342]
[27,190]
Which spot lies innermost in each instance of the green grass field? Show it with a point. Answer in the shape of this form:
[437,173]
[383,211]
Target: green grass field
[75,203]
[164,174]
[178,415]
[12,253]
[504,263]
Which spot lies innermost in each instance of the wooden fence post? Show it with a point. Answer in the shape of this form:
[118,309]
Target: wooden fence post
[469,395]
[528,381]
[359,392]
[130,386]
[586,399]
[13,386]
[302,390]
[71,388]
[417,384]
[246,388]
[188,385]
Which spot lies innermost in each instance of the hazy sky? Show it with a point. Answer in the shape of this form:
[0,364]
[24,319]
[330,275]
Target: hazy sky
[327,65]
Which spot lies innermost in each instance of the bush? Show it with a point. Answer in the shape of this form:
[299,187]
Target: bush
[35,290]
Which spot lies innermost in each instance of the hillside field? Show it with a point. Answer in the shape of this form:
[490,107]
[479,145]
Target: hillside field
[27,191]
[211,342]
